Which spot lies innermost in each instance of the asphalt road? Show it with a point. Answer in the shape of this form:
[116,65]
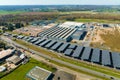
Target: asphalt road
[60,61]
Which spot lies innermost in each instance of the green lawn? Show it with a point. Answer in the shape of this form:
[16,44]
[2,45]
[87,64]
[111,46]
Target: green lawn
[20,72]
[2,12]
[97,20]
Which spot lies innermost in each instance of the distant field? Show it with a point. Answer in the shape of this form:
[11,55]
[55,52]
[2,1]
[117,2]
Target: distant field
[97,20]
[20,73]
[2,12]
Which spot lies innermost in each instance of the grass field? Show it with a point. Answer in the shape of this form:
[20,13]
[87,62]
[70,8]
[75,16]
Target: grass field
[2,12]
[20,72]
[112,40]
[97,20]
[98,68]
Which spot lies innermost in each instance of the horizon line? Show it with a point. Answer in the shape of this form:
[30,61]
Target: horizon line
[60,4]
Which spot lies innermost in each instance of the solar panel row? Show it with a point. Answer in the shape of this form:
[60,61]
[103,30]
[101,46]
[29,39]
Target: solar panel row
[57,33]
[95,55]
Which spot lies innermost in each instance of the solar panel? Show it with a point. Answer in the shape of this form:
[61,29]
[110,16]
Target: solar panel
[116,60]
[29,39]
[39,41]
[56,46]
[35,39]
[106,58]
[77,52]
[25,38]
[44,43]
[72,46]
[95,56]
[86,54]
[50,44]
[68,52]
[63,47]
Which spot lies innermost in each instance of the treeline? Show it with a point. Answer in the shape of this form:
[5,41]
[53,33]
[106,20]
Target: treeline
[28,17]
[74,16]
[11,26]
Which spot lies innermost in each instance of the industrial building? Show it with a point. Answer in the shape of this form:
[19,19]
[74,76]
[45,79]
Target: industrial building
[14,60]
[38,73]
[73,25]
[6,54]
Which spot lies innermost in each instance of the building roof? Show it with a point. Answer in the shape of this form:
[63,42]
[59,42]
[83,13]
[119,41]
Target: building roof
[38,73]
[14,59]
[5,53]
[2,68]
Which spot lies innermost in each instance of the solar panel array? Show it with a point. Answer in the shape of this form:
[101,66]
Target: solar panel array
[94,55]
[60,33]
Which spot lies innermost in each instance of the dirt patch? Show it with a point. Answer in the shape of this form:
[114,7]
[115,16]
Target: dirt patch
[32,30]
[61,75]
[106,38]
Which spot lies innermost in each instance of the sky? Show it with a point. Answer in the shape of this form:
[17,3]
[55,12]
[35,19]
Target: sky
[59,2]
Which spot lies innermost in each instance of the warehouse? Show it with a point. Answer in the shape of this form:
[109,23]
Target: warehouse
[86,54]
[106,58]
[78,52]
[116,60]
[6,54]
[95,56]
[38,73]
[72,25]
[63,47]
[68,52]
[56,46]
[14,59]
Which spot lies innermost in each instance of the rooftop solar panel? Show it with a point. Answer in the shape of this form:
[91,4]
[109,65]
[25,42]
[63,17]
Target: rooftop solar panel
[116,60]
[86,54]
[63,47]
[68,52]
[25,38]
[56,46]
[77,52]
[106,58]
[39,41]
[72,46]
[95,56]
[44,43]
[35,39]
[50,44]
